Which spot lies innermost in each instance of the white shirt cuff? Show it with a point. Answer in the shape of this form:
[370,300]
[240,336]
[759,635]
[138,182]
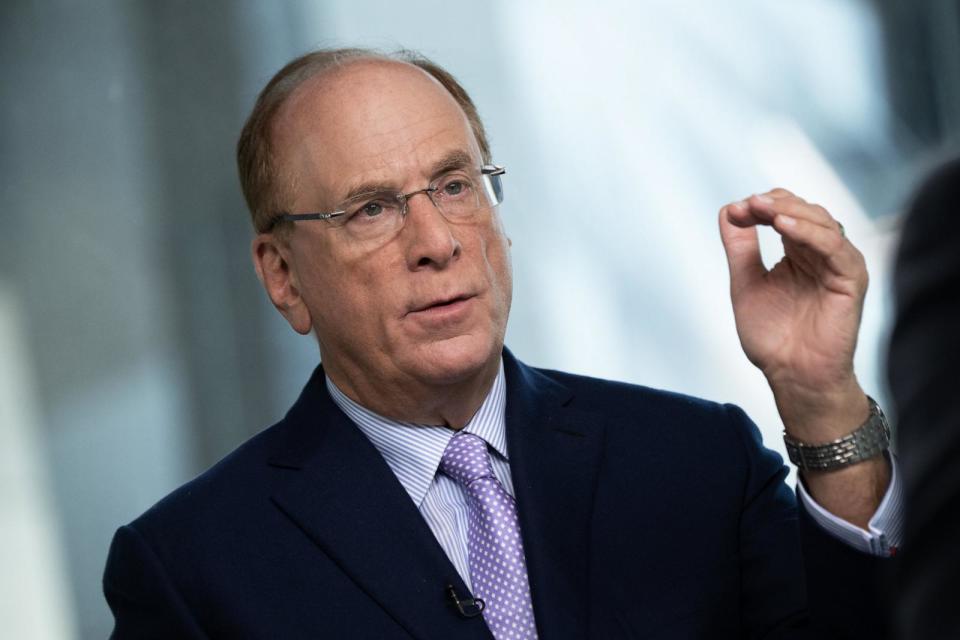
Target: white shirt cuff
[885,533]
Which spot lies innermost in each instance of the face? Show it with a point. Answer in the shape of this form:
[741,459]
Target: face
[427,305]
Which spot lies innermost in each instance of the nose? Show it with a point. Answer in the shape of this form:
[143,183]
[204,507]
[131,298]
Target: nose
[429,238]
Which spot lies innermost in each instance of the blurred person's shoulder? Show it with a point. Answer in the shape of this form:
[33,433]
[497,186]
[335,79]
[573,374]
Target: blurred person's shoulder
[931,213]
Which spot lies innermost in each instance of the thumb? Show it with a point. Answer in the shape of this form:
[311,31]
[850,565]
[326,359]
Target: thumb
[742,247]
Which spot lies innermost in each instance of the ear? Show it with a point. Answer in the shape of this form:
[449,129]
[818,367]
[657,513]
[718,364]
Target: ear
[271,259]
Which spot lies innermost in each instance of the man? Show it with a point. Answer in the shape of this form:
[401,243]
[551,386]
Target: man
[428,485]
[924,349]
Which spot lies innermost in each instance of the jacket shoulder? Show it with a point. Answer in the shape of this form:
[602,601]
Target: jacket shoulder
[592,393]
[675,424]
[228,486]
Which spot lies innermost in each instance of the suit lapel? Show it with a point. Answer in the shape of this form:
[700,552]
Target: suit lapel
[554,459]
[343,495]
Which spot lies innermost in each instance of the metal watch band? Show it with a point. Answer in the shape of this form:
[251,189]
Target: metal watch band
[869,440]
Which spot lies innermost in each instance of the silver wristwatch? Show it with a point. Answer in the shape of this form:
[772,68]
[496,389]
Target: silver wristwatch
[869,440]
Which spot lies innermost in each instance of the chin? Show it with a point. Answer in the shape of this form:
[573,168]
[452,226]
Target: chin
[454,360]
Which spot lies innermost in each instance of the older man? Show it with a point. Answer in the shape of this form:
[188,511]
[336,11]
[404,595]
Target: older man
[428,485]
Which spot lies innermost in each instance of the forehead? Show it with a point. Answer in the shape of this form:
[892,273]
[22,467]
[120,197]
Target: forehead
[369,120]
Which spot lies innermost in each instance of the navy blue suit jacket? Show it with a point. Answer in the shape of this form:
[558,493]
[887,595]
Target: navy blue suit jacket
[644,514]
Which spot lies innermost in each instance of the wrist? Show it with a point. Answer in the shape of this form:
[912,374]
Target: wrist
[866,442]
[822,414]
[852,493]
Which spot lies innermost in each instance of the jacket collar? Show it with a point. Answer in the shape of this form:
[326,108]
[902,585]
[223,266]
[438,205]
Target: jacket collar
[413,451]
[555,452]
[338,489]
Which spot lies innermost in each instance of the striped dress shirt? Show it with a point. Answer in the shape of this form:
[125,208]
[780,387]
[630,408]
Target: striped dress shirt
[413,452]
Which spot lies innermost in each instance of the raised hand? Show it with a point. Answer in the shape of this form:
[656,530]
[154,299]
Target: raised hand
[798,322]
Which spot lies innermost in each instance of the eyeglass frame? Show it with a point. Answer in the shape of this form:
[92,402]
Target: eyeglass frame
[485,170]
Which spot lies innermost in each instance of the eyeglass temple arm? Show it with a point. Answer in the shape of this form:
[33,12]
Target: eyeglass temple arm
[310,216]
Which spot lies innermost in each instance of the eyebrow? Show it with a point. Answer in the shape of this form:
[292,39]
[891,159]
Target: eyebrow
[457,159]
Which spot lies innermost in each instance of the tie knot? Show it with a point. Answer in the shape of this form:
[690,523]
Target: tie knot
[466,459]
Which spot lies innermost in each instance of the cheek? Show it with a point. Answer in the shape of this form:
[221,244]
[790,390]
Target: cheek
[499,267]
[362,297]
[346,294]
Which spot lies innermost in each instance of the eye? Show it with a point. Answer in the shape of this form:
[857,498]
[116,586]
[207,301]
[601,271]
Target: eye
[455,186]
[371,209]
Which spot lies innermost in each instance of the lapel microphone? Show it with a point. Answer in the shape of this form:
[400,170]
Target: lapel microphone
[467,607]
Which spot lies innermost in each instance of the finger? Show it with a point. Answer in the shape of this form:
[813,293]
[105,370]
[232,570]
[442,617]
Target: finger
[764,209]
[741,214]
[808,261]
[779,192]
[760,208]
[742,247]
[798,208]
[841,257]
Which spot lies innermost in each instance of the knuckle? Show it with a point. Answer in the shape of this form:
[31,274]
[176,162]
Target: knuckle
[782,205]
[835,243]
[793,206]
[821,211]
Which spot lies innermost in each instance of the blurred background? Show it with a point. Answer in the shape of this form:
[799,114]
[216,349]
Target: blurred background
[137,348]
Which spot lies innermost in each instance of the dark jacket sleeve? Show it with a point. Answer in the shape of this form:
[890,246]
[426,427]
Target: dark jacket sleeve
[798,580]
[145,604]
[844,585]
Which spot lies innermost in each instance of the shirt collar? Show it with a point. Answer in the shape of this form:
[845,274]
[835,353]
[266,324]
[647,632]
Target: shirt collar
[413,451]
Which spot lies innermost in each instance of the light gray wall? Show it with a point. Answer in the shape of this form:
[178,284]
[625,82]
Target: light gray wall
[125,242]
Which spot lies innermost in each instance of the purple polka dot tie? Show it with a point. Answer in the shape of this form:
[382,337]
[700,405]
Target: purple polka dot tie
[497,566]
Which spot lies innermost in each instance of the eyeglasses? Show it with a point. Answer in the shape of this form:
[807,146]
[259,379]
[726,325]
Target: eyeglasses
[459,195]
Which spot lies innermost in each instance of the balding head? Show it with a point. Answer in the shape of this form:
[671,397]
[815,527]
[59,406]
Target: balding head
[265,186]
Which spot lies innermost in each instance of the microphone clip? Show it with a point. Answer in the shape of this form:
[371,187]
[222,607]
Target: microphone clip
[467,607]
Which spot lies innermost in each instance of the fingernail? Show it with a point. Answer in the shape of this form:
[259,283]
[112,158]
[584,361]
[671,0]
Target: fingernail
[738,205]
[765,199]
[787,220]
